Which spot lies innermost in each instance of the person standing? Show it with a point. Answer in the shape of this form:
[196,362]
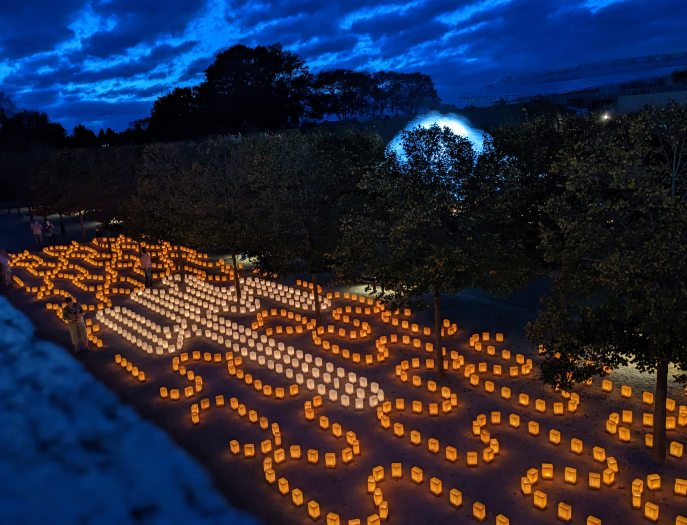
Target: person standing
[72,314]
[5,269]
[147,267]
[37,232]
[49,229]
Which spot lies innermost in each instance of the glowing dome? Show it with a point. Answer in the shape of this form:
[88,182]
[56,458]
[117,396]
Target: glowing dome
[456,123]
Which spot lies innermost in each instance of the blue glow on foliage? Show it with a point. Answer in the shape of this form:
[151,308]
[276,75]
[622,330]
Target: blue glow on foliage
[456,123]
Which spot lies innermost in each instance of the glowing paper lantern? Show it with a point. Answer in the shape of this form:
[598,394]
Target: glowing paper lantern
[599,454]
[455,497]
[653,482]
[627,416]
[651,511]
[594,480]
[680,487]
[533,475]
[564,512]
[533,428]
[570,475]
[576,446]
[479,511]
[435,486]
[416,474]
[297,497]
[396,470]
[676,449]
[525,485]
[539,500]
[608,477]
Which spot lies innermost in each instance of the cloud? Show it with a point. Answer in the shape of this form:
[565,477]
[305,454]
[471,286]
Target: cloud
[90,60]
[139,22]
[32,26]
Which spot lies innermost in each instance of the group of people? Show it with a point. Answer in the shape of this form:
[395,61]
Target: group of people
[47,228]
[73,313]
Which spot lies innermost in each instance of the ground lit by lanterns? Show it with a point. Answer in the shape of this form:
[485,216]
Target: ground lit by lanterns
[348,421]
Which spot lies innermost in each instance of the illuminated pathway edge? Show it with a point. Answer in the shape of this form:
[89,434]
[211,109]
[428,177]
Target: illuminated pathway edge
[441,439]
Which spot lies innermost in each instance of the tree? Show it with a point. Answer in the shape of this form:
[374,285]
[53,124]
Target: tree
[253,89]
[430,223]
[82,137]
[618,240]
[313,185]
[350,94]
[343,93]
[529,150]
[174,115]
[30,129]
[233,191]
[404,93]
[170,201]
[7,107]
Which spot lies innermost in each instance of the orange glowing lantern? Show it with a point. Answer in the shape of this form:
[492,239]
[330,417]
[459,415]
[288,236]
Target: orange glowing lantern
[539,500]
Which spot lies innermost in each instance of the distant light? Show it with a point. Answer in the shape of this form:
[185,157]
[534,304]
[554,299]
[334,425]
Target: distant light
[456,123]
[606,116]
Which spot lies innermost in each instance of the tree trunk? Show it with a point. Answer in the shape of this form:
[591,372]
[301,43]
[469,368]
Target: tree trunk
[316,297]
[237,282]
[180,265]
[62,229]
[83,230]
[438,344]
[659,448]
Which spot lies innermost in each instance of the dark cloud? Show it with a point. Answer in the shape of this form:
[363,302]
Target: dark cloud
[516,40]
[195,69]
[139,22]
[324,45]
[32,26]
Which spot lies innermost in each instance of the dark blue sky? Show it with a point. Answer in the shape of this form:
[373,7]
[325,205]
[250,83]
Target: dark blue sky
[103,62]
